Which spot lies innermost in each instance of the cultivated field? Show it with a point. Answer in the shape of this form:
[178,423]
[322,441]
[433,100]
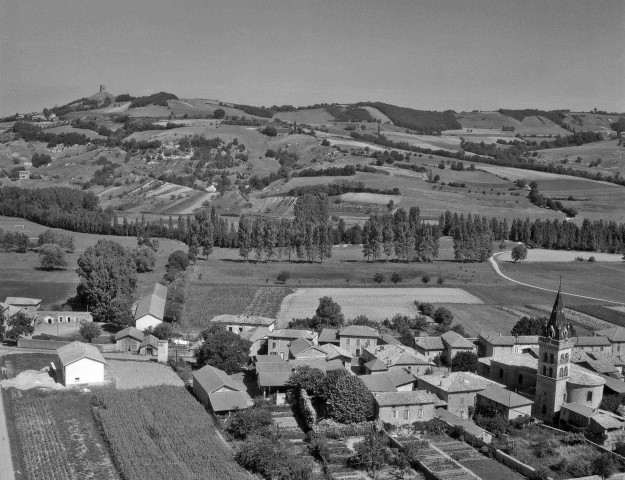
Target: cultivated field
[544,255]
[376,303]
[135,374]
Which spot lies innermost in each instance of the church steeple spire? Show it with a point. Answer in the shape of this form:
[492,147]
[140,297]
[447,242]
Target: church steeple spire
[557,327]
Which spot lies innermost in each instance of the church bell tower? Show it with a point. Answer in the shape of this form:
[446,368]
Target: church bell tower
[554,365]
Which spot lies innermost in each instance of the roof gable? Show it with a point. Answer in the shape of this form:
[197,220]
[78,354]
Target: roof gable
[414,397]
[212,379]
[455,340]
[358,331]
[150,305]
[504,397]
[72,352]
[130,332]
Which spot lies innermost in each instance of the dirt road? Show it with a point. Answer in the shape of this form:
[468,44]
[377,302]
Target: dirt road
[6,463]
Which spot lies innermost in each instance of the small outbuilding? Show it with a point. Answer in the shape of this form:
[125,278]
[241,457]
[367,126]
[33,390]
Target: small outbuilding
[149,346]
[150,309]
[511,405]
[79,364]
[129,339]
[219,391]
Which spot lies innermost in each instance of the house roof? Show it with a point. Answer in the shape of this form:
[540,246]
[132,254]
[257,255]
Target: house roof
[614,334]
[397,355]
[211,379]
[389,339]
[456,382]
[579,409]
[130,332]
[255,334]
[455,340]
[299,345]
[429,343]
[527,340]
[400,377]
[23,301]
[244,320]
[149,341]
[72,352]
[504,397]
[495,338]
[516,360]
[290,333]
[268,359]
[378,382]
[376,365]
[596,341]
[273,379]
[150,305]
[329,335]
[333,351]
[358,331]
[613,384]
[608,420]
[320,363]
[227,401]
[582,376]
[469,427]
[159,290]
[414,397]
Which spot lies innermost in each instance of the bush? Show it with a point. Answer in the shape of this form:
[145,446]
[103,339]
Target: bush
[378,278]
[347,398]
[269,131]
[283,276]
[591,259]
[426,278]
[255,420]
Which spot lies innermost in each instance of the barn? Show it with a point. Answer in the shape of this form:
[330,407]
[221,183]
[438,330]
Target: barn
[128,340]
[150,309]
[80,363]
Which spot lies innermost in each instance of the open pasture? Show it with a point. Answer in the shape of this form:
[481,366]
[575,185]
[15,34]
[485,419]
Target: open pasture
[314,116]
[476,318]
[544,255]
[376,303]
[134,374]
[495,121]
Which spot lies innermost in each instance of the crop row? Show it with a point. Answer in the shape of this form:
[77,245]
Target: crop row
[160,433]
[603,313]
[267,301]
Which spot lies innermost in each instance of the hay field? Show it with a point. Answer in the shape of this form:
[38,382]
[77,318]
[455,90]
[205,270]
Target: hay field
[375,198]
[448,143]
[544,255]
[375,113]
[376,303]
[313,116]
[135,374]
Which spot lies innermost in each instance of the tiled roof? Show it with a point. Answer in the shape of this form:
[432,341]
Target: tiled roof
[130,332]
[614,334]
[72,352]
[159,290]
[299,345]
[273,379]
[320,363]
[579,409]
[376,365]
[608,420]
[329,335]
[397,355]
[497,339]
[400,377]
[504,397]
[527,340]
[457,382]
[378,382]
[21,301]
[211,379]
[583,376]
[455,340]
[244,320]
[290,333]
[516,360]
[150,305]
[149,340]
[268,359]
[429,343]
[469,427]
[333,351]
[613,384]
[389,339]
[227,401]
[415,397]
[597,341]
[255,334]
[358,331]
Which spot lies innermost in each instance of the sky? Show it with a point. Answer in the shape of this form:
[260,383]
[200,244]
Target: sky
[431,55]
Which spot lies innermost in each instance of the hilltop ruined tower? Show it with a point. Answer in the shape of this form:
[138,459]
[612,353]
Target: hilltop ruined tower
[554,366]
[102,88]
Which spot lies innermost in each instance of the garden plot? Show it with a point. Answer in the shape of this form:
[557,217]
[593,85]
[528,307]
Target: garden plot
[376,303]
[133,374]
[543,255]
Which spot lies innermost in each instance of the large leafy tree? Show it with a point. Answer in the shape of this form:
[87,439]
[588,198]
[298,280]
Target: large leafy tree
[519,252]
[144,258]
[18,326]
[372,453]
[347,398]
[89,331]
[223,349]
[107,271]
[328,313]
[529,326]
[309,378]
[52,257]
[464,362]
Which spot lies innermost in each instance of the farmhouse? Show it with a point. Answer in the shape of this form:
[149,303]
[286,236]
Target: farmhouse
[219,391]
[50,317]
[494,344]
[301,349]
[397,357]
[334,352]
[405,408]
[150,309]
[272,373]
[244,323]
[592,344]
[616,336]
[26,304]
[605,427]
[429,347]
[329,335]
[258,336]
[398,380]
[457,389]
[454,344]
[24,174]
[129,339]
[511,405]
[80,363]
[355,338]
[279,341]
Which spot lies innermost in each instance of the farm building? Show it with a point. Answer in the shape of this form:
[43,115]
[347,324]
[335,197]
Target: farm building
[398,357]
[405,408]
[468,426]
[604,427]
[334,352]
[279,341]
[396,381]
[24,174]
[150,309]
[493,344]
[454,344]
[616,335]
[244,323]
[129,339]
[27,304]
[258,336]
[355,338]
[49,317]
[149,346]
[302,349]
[219,391]
[429,346]
[80,363]
[592,344]
[457,389]
[329,335]
[511,405]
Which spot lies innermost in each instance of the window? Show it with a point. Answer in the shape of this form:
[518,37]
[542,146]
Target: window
[520,379]
[564,397]
[545,357]
[282,355]
[566,371]
[348,342]
[551,372]
[544,370]
[566,357]
[394,414]
[544,409]
[501,373]
[420,413]
[77,379]
[618,348]
[406,414]
[274,345]
[551,358]
[589,397]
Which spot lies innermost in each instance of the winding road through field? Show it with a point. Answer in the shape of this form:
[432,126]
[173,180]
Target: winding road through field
[494,264]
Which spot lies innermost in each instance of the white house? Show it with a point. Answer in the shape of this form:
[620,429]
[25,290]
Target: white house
[150,309]
[80,363]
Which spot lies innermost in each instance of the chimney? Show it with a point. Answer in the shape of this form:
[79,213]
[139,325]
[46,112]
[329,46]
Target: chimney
[102,88]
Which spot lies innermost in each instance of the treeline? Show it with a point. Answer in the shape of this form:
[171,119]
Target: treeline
[538,199]
[339,188]
[556,116]
[349,113]
[159,98]
[421,121]
[257,111]
[32,133]
[345,171]
[401,234]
